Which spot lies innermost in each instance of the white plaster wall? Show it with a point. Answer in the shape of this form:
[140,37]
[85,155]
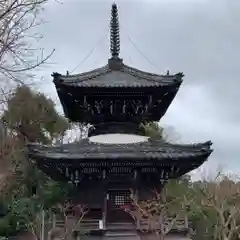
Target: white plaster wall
[118,138]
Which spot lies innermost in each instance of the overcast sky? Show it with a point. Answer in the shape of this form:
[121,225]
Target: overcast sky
[200,38]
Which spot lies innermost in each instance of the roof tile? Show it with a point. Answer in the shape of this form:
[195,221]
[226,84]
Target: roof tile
[125,77]
[151,149]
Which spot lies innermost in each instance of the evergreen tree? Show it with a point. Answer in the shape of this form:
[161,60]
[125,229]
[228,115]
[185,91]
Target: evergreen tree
[29,116]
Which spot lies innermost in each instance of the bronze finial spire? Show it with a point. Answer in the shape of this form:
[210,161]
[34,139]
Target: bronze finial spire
[114,32]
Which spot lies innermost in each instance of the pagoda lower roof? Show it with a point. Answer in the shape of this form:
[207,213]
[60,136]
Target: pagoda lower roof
[125,76]
[151,150]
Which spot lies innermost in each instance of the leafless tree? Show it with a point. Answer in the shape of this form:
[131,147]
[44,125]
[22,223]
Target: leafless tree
[18,28]
[222,197]
[159,214]
[73,216]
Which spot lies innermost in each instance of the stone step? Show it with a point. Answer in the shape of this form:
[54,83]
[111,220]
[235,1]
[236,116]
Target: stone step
[122,238]
[127,237]
[121,235]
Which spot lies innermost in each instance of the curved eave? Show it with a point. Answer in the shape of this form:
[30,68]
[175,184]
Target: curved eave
[182,158]
[125,156]
[138,158]
[86,146]
[157,151]
[154,85]
[55,168]
[133,78]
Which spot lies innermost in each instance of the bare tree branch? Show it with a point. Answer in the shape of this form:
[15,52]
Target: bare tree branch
[18,19]
[157,212]
[223,197]
[67,209]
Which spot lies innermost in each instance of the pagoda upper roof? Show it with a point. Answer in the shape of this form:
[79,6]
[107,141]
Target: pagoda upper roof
[123,76]
[151,149]
[116,73]
[116,92]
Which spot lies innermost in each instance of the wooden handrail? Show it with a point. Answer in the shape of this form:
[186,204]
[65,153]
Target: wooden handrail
[89,224]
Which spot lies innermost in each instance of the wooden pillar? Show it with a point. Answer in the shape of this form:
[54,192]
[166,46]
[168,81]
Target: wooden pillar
[105,203]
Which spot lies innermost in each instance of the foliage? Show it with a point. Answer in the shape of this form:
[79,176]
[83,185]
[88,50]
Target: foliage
[29,116]
[76,212]
[219,204]
[213,207]
[151,129]
[203,223]
[166,207]
[33,116]
[23,211]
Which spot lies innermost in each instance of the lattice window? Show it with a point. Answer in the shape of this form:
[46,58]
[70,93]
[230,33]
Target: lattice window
[119,198]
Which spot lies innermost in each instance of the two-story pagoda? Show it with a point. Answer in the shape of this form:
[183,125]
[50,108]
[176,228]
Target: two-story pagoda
[115,99]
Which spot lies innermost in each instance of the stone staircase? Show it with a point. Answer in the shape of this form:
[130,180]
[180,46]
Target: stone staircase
[121,231]
[121,235]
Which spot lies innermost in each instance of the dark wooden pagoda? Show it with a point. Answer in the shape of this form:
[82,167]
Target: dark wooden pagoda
[115,99]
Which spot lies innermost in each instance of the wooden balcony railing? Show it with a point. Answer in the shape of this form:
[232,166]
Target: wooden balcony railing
[92,225]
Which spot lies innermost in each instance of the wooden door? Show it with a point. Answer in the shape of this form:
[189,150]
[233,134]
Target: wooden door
[115,200]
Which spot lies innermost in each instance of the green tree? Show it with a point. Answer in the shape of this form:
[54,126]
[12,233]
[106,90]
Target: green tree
[33,116]
[29,116]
